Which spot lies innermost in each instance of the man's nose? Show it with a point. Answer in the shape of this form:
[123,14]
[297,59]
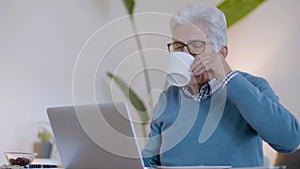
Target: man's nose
[185,49]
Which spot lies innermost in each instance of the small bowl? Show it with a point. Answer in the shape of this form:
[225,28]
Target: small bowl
[19,158]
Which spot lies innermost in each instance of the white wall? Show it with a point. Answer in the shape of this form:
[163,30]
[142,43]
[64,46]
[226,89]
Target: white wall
[40,42]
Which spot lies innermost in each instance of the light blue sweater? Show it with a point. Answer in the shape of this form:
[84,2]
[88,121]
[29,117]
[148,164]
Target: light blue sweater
[183,133]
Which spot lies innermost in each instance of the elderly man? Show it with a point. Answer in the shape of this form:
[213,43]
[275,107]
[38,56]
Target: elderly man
[222,116]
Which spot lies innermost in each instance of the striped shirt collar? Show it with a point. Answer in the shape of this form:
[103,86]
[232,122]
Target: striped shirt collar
[206,90]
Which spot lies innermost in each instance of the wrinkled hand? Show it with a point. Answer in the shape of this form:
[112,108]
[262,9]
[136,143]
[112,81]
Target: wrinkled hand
[210,64]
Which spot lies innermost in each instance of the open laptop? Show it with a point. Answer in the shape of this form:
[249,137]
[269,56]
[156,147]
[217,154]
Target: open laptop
[99,136]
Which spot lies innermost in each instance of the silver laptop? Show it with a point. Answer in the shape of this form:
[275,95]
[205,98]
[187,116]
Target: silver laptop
[95,136]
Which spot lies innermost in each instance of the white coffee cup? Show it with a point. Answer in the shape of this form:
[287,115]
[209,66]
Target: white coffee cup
[178,69]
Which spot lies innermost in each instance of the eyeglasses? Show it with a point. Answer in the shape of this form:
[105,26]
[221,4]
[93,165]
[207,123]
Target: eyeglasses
[194,47]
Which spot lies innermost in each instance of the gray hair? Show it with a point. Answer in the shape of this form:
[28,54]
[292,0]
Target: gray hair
[211,19]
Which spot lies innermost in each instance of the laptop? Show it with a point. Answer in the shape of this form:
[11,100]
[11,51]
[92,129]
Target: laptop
[99,136]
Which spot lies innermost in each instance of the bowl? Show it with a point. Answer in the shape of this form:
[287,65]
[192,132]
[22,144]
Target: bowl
[19,158]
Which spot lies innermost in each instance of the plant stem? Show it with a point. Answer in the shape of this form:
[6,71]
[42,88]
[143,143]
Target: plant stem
[139,44]
[144,130]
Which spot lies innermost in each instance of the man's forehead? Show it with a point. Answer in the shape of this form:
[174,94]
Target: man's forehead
[187,33]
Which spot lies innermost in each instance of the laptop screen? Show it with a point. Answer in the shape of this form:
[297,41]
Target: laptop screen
[95,136]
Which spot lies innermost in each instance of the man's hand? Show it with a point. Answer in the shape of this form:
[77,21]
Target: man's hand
[210,65]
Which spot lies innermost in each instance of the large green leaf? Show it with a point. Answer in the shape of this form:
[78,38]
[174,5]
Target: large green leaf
[235,10]
[129,6]
[133,97]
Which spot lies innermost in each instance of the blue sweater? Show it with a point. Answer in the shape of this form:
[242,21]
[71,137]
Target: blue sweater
[224,129]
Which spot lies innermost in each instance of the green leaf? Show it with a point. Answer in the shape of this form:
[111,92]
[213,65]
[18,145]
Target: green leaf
[44,135]
[129,6]
[133,97]
[235,10]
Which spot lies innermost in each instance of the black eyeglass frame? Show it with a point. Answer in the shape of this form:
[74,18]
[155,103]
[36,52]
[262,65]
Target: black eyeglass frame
[187,45]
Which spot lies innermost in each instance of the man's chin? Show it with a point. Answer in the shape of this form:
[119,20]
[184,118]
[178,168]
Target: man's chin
[200,80]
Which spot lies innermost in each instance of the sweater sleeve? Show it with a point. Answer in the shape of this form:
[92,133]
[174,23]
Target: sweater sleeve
[260,107]
[151,150]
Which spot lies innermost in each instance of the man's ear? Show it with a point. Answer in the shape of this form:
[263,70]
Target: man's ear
[224,51]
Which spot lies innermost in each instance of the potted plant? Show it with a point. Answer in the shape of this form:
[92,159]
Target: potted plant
[44,146]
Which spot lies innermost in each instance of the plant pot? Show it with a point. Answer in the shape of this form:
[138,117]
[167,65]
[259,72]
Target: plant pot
[43,149]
